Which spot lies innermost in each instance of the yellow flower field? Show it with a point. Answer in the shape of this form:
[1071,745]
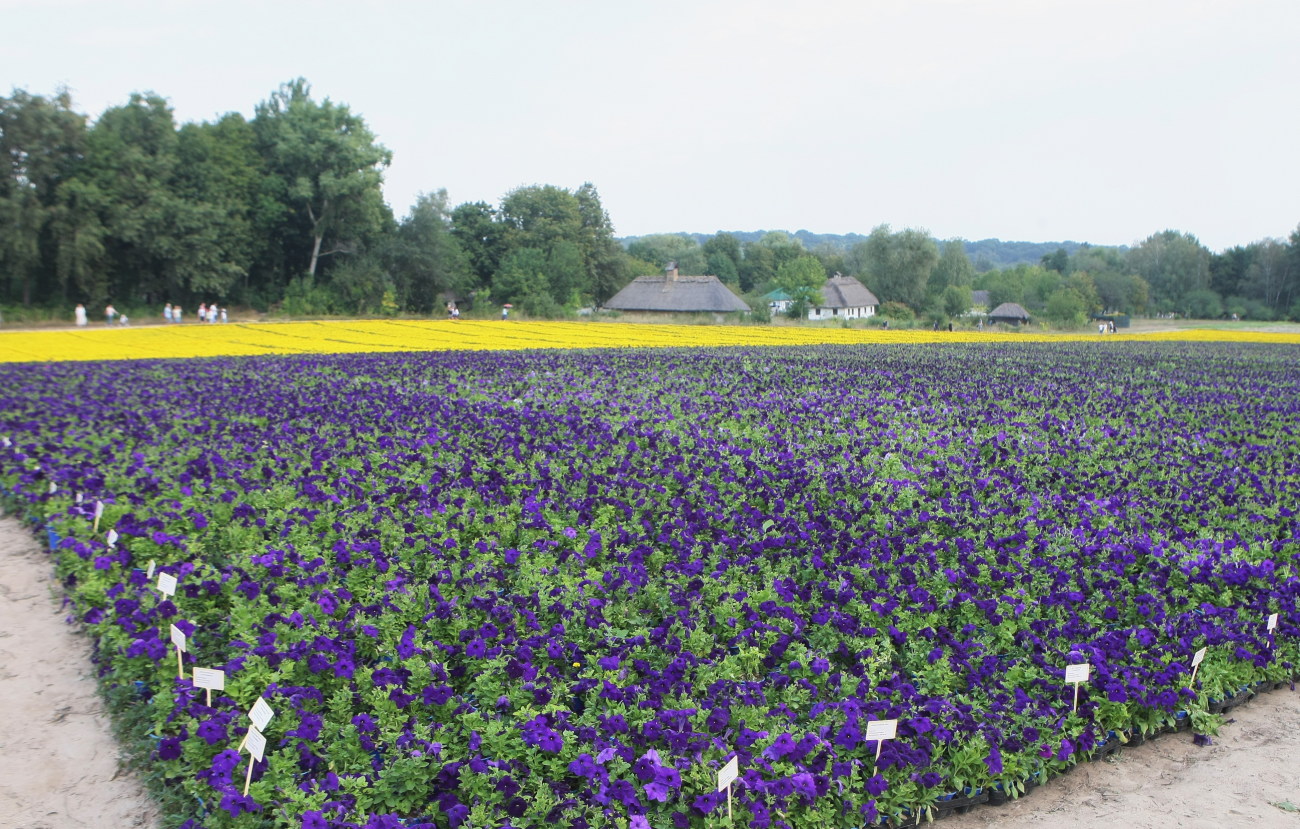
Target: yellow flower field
[337,336]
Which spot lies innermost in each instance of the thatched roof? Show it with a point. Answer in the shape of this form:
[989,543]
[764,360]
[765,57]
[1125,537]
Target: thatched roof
[666,292]
[1009,310]
[846,292]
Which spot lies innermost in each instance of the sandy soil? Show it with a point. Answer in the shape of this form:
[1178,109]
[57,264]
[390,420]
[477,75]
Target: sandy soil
[1252,764]
[59,766]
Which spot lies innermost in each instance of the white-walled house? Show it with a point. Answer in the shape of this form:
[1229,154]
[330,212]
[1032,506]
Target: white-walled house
[778,302]
[844,297]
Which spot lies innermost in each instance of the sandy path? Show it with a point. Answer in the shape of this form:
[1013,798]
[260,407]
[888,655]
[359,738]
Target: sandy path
[1253,763]
[58,761]
[59,768]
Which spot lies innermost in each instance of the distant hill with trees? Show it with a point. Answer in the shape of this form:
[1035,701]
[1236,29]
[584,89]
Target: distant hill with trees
[985,254]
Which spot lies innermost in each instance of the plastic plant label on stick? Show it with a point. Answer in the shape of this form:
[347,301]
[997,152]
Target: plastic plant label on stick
[211,680]
[881,730]
[1272,623]
[99,513]
[111,538]
[726,776]
[148,574]
[1197,659]
[256,744]
[260,713]
[178,639]
[1076,674]
[167,584]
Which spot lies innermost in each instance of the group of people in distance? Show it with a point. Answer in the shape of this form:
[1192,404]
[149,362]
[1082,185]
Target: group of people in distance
[111,316]
[171,313]
[207,313]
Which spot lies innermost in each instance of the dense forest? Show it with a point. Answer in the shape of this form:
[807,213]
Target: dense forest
[285,212]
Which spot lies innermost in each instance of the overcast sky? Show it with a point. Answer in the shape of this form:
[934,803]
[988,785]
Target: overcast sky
[1100,121]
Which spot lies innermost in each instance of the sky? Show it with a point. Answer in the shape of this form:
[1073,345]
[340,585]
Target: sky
[1102,121]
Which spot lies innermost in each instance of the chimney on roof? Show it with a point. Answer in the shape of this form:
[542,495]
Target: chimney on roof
[671,271]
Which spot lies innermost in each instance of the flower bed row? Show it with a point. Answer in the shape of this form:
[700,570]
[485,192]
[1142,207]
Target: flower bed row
[566,588]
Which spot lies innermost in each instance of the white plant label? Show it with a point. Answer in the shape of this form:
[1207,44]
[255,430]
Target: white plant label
[881,730]
[255,742]
[167,584]
[1272,623]
[1198,657]
[6,441]
[53,487]
[111,538]
[1078,673]
[77,498]
[728,773]
[178,638]
[210,678]
[148,574]
[99,509]
[260,714]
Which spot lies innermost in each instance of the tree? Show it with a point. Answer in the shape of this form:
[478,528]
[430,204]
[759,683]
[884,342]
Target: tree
[1067,307]
[721,245]
[129,172]
[330,164]
[425,258]
[1173,264]
[605,260]
[662,248]
[1271,277]
[952,270]
[481,236]
[955,300]
[802,279]
[522,281]
[898,265]
[1202,303]
[219,166]
[757,268]
[721,266]
[1123,292]
[723,257]
[41,143]
[1057,261]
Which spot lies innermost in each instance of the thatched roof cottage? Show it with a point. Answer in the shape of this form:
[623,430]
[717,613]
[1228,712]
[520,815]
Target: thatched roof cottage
[1009,313]
[844,297]
[670,292]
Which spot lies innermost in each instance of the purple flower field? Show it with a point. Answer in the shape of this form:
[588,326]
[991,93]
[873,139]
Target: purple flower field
[564,589]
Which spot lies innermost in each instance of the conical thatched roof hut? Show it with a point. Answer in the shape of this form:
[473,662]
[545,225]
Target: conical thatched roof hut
[1009,313]
[672,293]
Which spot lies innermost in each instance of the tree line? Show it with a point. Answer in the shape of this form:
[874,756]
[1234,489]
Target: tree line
[286,210]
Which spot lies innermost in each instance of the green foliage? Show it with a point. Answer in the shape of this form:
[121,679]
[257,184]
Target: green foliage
[802,279]
[1202,304]
[952,270]
[1066,307]
[897,265]
[330,164]
[425,259]
[1174,265]
[955,300]
[660,249]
